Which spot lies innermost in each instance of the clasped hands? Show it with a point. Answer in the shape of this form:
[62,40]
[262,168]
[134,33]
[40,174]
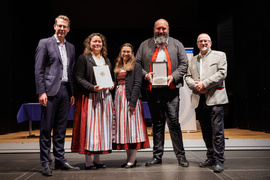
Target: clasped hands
[150,74]
[200,87]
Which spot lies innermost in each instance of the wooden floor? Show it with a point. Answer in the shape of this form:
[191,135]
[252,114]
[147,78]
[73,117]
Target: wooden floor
[229,133]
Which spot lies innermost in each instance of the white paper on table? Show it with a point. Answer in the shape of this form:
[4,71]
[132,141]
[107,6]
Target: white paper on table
[160,76]
[103,76]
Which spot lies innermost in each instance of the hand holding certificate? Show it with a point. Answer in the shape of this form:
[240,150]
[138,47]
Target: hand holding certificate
[103,76]
[160,76]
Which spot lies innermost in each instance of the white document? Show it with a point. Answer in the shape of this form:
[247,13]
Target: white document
[103,76]
[160,76]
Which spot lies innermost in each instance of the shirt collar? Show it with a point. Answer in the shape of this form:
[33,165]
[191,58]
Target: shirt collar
[57,40]
[200,55]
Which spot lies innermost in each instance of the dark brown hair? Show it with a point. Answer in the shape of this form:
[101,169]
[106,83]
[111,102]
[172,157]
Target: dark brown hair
[87,48]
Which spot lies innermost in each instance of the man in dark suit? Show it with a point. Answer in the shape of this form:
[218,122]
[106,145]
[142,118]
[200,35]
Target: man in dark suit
[54,62]
[164,101]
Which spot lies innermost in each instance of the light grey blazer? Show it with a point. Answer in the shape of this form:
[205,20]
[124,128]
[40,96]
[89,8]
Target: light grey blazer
[213,78]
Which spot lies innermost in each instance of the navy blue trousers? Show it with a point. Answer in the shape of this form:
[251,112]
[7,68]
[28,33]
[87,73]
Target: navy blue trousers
[54,116]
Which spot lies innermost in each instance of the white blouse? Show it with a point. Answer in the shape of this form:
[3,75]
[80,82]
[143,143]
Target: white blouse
[99,62]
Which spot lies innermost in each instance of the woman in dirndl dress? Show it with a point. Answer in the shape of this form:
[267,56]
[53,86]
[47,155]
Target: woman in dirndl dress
[129,127]
[93,114]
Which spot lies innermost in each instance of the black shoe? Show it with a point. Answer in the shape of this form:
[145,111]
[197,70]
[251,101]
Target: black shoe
[153,162]
[207,163]
[90,167]
[131,166]
[66,166]
[218,168]
[183,162]
[46,170]
[123,165]
[99,165]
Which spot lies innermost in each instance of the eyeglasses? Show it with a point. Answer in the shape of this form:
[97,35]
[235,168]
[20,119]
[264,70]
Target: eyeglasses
[205,41]
[61,26]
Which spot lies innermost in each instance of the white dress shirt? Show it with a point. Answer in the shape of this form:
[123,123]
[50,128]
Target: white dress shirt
[63,53]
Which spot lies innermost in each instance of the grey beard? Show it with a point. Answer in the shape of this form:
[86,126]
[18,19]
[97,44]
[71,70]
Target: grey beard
[161,39]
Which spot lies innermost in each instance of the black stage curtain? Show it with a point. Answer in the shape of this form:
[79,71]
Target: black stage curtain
[239,29]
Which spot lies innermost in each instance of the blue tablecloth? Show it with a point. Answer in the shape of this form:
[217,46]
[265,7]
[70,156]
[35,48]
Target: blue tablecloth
[146,110]
[31,112]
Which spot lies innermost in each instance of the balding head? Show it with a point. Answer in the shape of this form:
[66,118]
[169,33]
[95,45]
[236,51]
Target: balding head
[161,22]
[205,36]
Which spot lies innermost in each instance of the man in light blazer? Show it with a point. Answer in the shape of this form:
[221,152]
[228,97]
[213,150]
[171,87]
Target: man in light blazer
[206,77]
[164,101]
[54,63]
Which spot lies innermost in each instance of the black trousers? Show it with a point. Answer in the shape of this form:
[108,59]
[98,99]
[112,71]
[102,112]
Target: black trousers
[211,119]
[164,105]
[54,116]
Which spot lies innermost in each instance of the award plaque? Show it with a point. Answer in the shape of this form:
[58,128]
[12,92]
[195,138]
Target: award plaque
[160,76]
[103,76]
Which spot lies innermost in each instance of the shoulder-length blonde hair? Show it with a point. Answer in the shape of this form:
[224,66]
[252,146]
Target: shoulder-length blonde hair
[120,63]
[87,48]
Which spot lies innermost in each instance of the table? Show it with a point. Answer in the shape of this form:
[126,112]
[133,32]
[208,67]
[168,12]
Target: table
[32,112]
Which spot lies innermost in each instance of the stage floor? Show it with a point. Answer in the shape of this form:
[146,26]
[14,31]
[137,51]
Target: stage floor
[248,165]
[247,157]
[236,139]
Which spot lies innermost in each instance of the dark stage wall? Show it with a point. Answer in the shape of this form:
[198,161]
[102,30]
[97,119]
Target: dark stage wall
[239,30]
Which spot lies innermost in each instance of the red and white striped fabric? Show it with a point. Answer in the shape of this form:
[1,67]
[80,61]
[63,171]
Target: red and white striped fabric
[99,122]
[128,126]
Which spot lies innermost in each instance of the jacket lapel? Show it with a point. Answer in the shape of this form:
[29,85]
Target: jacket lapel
[56,48]
[107,61]
[68,50]
[90,58]
[170,51]
[153,48]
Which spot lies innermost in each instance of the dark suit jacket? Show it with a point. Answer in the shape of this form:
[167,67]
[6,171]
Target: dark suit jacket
[49,67]
[84,73]
[133,82]
[177,54]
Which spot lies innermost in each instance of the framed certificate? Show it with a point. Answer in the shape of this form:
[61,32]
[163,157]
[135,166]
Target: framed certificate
[160,76]
[103,76]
